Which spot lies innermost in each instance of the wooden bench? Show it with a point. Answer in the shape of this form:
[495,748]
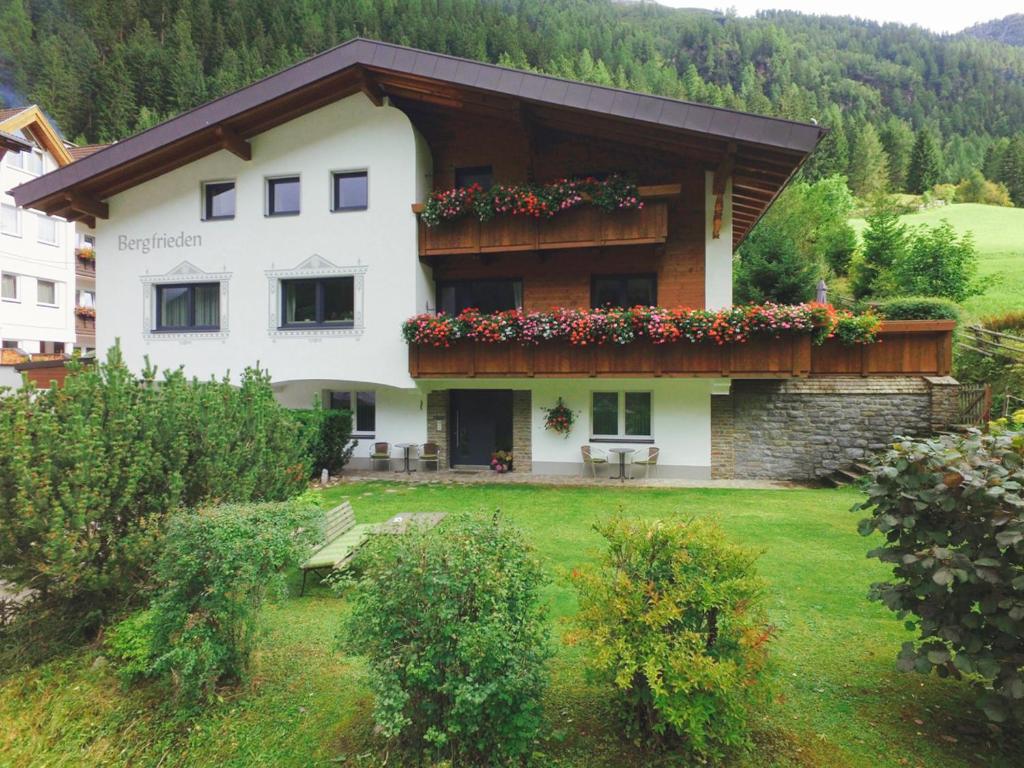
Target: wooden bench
[342,539]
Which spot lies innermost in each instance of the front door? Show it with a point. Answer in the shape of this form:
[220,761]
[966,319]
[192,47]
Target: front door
[481,423]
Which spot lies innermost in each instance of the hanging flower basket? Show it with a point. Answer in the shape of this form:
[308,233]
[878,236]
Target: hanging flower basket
[559,418]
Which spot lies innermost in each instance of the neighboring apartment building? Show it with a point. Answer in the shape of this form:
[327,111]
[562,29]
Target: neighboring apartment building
[277,225]
[43,280]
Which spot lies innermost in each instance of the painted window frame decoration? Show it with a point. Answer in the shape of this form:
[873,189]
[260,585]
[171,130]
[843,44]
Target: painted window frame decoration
[622,433]
[316,266]
[185,273]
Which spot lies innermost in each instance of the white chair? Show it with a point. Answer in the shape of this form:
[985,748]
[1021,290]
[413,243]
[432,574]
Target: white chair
[650,462]
[593,458]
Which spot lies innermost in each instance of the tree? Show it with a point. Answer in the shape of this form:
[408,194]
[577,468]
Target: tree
[869,166]
[1013,169]
[770,268]
[937,263]
[833,153]
[923,172]
[898,140]
[885,239]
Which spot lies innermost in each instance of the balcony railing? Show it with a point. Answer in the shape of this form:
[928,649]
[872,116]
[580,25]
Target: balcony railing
[85,325]
[85,265]
[911,348]
[584,227]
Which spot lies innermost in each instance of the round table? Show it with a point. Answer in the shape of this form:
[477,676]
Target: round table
[622,454]
[406,448]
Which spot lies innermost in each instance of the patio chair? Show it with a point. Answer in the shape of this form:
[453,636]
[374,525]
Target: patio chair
[650,463]
[381,452]
[429,454]
[342,538]
[592,457]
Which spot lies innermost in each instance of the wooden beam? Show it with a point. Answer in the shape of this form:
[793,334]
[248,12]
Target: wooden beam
[371,88]
[722,175]
[232,142]
[87,205]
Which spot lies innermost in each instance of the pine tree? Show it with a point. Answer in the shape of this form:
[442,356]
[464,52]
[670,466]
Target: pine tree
[923,172]
[898,140]
[869,166]
[832,156]
[1013,169]
[884,241]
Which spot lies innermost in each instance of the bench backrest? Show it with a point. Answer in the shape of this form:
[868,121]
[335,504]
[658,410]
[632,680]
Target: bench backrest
[338,521]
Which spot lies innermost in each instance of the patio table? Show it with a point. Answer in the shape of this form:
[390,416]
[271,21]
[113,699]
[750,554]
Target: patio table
[622,454]
[406,448]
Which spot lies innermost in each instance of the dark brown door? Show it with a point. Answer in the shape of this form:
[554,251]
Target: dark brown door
[481,423]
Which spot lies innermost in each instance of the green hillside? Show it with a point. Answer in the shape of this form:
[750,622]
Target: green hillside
[999,235]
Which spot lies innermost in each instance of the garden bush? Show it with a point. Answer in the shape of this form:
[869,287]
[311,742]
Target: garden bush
[329,438]
[917,308]
[951,510]
[90,471]
[456,638]
[216,568]
[936,262]
[672,620]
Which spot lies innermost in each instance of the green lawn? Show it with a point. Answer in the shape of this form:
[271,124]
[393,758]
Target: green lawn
[837,699]
[999,235]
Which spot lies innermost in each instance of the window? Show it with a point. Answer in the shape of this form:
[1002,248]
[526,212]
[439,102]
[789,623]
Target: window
[350,191]
[364,417]
[10,220]
[192,307]
[30,161]
[86,241]
[10,344]
[46,292]
[621,415]
[283,196]
[9,288]
[485,295]
[624,291]
[218,200]
[328,301]
[476,174]
[46,230]
[85,298]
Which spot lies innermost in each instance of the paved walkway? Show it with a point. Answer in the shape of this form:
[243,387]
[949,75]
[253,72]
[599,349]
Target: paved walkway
[487,476]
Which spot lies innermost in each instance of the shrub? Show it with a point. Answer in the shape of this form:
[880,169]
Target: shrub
[938,263]
[217,567]
[951,510]
[917,308]
[456,640]
[885,240]
[672,620]
[90,471]
[328,438]
[977,189]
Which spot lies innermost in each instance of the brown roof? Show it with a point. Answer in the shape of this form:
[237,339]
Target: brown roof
[12,142]
[78,153]
[767,150]
[6,113]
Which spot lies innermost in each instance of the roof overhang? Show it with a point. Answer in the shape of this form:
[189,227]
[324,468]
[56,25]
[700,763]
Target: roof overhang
[32,121]
[12,143]
[760,154]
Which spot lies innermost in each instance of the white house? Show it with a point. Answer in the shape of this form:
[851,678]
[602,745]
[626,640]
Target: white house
[277,226]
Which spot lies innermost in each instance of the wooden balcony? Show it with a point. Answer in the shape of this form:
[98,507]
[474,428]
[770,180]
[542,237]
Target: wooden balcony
[584,227]
[85,326]
[85,267]
[908,348]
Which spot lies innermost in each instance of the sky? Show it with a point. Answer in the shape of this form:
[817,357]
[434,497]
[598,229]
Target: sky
[936,15]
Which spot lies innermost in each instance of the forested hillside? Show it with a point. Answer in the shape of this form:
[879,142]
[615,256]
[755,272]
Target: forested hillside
[108,68]
[1009,30]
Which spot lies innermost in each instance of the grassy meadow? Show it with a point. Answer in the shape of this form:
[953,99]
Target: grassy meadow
[836,700]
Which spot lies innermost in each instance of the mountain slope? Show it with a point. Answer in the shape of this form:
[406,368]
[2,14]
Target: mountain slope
[1009,30]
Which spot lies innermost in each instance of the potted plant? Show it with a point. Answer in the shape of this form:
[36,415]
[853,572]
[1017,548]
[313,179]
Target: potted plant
[559,418]
[501,461]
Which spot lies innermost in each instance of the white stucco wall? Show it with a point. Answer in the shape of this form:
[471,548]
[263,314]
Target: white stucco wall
[25,320]
[377,245]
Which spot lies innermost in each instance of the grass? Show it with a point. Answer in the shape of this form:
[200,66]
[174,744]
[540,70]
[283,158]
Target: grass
[999,236]
[837,699]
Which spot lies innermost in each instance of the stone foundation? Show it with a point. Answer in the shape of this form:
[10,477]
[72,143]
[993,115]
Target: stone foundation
[803,429]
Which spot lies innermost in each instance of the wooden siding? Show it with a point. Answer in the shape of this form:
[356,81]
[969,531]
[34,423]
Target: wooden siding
[920,348]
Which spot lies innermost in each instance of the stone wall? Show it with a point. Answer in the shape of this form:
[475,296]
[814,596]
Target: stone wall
[802,429]
[522,430]
[437,414]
